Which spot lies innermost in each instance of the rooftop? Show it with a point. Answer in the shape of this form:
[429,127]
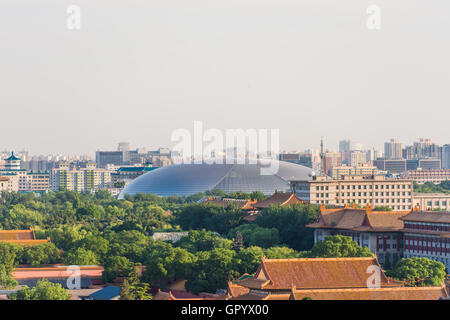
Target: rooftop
[401,293]
[314,273]
[359,219]
[280,199]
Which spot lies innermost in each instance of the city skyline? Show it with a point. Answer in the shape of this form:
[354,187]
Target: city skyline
[310,69]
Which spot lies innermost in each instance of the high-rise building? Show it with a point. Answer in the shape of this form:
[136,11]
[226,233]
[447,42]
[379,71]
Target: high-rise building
[83,179]
[392,150]
[103,158]
[344,145]
[331,159]
[445,156]
[302,158]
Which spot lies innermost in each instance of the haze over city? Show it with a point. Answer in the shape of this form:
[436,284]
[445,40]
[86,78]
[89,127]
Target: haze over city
[137,70]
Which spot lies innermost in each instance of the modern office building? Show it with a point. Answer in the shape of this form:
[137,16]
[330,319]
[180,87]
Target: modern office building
[37,182]
[374,190]
[338,172]
[103,158]
[422,176]
[301,158]
[445,156]
[392,150]
[83,179]
[331,159]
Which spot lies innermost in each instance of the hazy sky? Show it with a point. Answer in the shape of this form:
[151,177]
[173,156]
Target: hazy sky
[137,70]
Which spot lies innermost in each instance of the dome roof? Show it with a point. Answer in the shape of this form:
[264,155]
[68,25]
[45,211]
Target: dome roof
[187,179]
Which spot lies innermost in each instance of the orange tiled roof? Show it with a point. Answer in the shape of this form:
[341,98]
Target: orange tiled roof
[6,235]
[235,290]
[428,216]
[28,242]
[243,204]
[400,293]
[360,219]
[280,199]
[314,273]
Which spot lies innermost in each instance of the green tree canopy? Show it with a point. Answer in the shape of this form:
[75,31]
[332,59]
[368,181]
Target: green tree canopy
[419,272]
[339,247]
[81,256]
[44,290]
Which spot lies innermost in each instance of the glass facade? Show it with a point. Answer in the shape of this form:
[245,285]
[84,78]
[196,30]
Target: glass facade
[187,179]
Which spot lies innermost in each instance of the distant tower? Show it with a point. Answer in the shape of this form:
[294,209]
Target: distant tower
[322,157]
[12,163]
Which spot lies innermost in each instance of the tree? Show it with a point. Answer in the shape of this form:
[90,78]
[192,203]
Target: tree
[202,240]
[419,272]
[247,260]
[291,221]
[94,243]
[44,290]
[164,263]
[133,289]
[81,256]
[46,253]
[282,253]
[116,266]
[238,241]
[209,216]
[7,263]
[257,195]
[125,291]
[212,271]
[20,217]
[253,235]
[339,247]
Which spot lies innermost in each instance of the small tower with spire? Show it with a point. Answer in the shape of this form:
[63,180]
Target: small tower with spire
[322,158]
[12,162]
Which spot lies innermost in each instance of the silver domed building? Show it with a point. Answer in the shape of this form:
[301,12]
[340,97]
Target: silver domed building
[187,179]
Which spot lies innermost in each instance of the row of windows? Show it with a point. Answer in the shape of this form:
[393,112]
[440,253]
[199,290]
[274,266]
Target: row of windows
[437,203]
[362,194]
[376,201]
[365,187]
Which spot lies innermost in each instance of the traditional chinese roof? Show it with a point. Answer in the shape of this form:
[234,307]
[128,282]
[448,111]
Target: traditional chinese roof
[21,237]
[315,273]
[235,290]
[7,235]
[359,219]
[400,293]
[243,204]
[162,295]
[428,216]
[280,199]
[12,157]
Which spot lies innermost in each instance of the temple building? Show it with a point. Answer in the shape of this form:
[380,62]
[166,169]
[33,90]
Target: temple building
[280,199]
[380,231]
[324,279]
